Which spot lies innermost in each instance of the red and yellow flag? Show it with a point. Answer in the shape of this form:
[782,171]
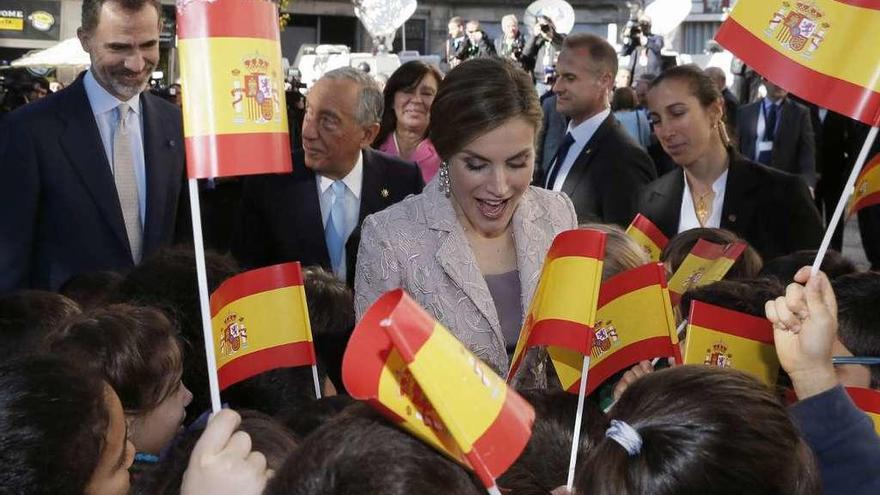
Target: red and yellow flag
[868,400]
[414,371]
[563,307]
[706,263]
[234,110]
[634,322]
[261,322]
[725,338]
[824,51]
[647,235]
[867,187]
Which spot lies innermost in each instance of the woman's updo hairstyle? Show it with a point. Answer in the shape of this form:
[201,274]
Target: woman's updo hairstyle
[478,96]
[701,86]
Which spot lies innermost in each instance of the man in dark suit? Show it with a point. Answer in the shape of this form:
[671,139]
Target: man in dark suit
[731,104]
[91,176]
[313,215]
[598,164]
[777,132]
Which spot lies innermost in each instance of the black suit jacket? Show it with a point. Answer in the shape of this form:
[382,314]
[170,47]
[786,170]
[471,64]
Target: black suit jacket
[772,210]
[731,108]
[794,149]
[605,179]
[280,216]
[61,213]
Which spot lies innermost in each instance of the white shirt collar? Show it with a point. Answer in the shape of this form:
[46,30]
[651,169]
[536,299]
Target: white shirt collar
[354,180]
[102,101]
[584,131]
[688,217]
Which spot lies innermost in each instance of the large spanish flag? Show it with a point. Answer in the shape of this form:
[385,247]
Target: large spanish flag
[234,110]
[563,308]
[634,322]
[725,338]
[647,235]
[706,263]
[261,322]
[868,400]
[867,187]
[419,375]
[825,51]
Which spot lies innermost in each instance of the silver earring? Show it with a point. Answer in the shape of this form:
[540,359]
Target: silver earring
[443,181]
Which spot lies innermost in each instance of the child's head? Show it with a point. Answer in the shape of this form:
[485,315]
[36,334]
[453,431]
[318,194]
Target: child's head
[858,298]
[135,349]
[27,317]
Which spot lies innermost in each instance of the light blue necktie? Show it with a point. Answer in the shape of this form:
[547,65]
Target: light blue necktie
[334,231]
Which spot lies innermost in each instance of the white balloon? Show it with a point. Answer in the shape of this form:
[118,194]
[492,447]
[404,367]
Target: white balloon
[666,15]
[560,11]
[383,17]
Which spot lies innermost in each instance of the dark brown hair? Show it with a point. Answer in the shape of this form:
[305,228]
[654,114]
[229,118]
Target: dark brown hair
[134,348]
[699,83]
[406,77]
[703,430]
[27,317]
[477,97]
[602,55]
[624,99]
[91,10]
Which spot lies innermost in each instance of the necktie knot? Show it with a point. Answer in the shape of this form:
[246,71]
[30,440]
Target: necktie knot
[122,114]
[338,189]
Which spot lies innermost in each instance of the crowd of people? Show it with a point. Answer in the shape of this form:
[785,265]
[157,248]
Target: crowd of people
[449,186]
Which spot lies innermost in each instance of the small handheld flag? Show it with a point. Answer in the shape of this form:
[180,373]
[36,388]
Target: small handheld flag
[410,368]
[563,308]
[706,263]
[634,322]
[867,187]
[234,110]
[647,235]
[725,338]
[868,400]
[261,322]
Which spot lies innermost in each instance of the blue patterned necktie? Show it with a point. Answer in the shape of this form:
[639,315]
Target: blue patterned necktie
[561,155]
[334,231]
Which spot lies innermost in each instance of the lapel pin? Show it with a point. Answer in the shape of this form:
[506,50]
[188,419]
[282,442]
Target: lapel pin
[383,193]
[731,217]
[171,143]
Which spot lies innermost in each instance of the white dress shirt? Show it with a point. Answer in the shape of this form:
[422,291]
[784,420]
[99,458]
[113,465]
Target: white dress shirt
[353,184]
[688,217]
[582,134]
[104,109]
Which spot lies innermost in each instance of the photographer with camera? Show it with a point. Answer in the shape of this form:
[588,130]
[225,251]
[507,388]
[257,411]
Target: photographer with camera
[477,43]
[511,44]
[540,53]
[643,47]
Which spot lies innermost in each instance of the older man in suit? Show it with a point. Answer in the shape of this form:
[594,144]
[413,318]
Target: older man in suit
[90,176]
[313,215]
[598,165]
[777,132]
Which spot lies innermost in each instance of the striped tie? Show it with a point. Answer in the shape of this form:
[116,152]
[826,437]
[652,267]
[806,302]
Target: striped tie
[126,183]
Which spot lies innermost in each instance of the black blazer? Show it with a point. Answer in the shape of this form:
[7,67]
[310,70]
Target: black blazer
[61,214]
[605,179]
[280,214]
[794,148]
[772,210]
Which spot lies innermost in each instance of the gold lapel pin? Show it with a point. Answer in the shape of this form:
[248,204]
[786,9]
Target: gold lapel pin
[384,193]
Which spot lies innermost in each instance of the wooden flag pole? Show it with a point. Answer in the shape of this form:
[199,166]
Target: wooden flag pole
[204,304]
[576,436]
[844,199]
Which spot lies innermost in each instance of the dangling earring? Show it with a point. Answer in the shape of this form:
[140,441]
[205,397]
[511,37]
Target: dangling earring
[443,181]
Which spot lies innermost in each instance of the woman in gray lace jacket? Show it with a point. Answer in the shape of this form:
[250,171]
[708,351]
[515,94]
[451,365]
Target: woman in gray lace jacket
[470,248]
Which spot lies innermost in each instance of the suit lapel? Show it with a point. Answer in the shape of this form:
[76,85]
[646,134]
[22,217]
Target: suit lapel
[739,206]
[303,199]
[372,187]
[82,143]
[664,202]
[581,165]
[158,162]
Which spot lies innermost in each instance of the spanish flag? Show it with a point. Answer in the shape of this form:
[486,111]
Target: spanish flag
[234,110]
[729,339]
[867,187]
[647,235]
[413,370]
[634,322]
[261,322]
[868,400]
[706,263]
[563,308]
[825,51]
